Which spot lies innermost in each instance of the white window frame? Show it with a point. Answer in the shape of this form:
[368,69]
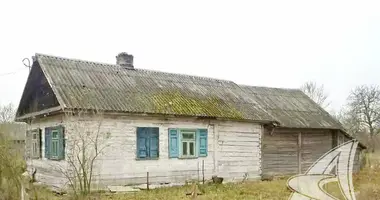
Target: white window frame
[188,142]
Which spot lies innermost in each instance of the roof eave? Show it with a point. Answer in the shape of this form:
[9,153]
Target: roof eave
[48,111]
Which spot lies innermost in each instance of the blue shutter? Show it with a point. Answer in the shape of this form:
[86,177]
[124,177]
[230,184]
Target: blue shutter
[141,143]
[154,142]
[61,153]
[47,142]
[202,139]
[173,143]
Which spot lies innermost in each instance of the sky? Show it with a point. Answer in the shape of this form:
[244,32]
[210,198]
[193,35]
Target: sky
[261,43]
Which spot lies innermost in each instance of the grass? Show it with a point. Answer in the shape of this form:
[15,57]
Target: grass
[367,182]
[249,190]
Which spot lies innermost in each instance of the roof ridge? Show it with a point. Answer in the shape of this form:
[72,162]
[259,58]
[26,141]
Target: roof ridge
[267,87]
[137,69]
[73,59]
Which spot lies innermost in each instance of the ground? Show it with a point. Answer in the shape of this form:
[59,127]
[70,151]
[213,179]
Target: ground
[367,182]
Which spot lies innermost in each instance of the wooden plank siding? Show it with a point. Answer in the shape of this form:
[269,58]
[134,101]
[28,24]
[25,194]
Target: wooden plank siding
[315,143]
[282,154]
[239,151]
[358,160]
[233,151]
[279,152]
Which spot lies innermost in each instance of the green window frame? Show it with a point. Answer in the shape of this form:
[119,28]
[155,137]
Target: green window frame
[55,143]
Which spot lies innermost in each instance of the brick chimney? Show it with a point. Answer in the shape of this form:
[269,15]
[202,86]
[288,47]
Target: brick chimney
[125,60]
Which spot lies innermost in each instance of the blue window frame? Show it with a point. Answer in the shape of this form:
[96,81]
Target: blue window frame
[187,143]
[147,143]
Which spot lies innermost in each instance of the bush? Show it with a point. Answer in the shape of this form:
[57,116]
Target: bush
[12,166]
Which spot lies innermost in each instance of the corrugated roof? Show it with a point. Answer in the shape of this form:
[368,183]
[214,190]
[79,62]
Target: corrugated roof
[90,85]
[291,107]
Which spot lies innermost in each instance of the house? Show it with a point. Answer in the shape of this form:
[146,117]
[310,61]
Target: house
[170,125]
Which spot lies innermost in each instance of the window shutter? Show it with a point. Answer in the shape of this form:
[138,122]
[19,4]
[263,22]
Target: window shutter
[141,143]
[154,142]
[47,142]
[28,144]
[39,143]
[202,139]
[61,144]
[173,143]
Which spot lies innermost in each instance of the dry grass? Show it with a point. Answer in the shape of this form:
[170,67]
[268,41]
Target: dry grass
[250,190]
[367,182]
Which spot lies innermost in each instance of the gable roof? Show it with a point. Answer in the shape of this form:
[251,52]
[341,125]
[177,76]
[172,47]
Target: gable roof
[79,84]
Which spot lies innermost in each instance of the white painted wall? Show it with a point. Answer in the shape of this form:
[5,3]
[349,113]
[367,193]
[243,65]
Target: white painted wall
[47,170]
[233,150]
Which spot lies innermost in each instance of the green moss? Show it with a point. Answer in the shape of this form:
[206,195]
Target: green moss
[174,102]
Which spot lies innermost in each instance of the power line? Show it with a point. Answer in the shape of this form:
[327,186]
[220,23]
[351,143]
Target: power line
[28,65]
[10,73]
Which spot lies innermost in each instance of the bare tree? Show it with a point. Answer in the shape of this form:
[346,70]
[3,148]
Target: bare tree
[349,121]
[7,113]
[316,93]
[85,144]
[364,104]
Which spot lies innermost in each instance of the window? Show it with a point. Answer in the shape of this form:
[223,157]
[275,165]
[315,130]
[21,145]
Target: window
[54,143]
[147,143]
[34,143]
[187,143]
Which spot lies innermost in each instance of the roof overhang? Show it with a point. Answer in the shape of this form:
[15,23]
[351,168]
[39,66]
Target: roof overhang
[49,111]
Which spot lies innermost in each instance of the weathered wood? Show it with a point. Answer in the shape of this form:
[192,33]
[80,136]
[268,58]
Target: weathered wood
[299,151]
[315,144]
[239,154]
[279,152]
[41,112]
[292,151]
[228,156]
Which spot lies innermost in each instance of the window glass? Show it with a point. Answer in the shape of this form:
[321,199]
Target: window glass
[188,143]
[191,148]
[55,134]
[55,148]
[184,148]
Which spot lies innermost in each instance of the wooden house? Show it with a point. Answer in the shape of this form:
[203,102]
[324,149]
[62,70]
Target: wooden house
[170,125]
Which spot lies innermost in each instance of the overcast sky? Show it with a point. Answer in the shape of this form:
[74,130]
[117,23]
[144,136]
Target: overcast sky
[262,43]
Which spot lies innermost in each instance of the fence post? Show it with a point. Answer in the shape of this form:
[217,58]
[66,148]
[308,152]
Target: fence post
[198,171]
[203,171]
[147,180]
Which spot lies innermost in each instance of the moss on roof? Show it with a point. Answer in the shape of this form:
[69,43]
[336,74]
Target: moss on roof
[90,85]
[180,103]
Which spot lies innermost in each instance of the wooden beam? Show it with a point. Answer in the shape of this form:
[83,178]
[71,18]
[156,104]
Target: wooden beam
[33,114]
[299,152]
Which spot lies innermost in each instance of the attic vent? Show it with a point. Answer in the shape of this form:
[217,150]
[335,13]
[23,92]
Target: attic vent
[125,60]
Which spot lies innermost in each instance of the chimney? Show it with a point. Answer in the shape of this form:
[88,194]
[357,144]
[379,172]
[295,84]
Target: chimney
[125,60]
